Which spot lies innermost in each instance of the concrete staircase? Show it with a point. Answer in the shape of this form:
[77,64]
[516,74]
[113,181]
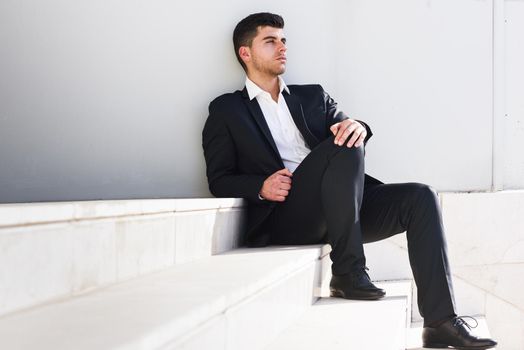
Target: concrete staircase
[333,323]
[170,274]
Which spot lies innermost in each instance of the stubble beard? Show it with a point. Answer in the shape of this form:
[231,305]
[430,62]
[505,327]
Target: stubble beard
[268,69]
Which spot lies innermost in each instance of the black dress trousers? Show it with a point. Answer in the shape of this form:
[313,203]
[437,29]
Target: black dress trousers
[330,202]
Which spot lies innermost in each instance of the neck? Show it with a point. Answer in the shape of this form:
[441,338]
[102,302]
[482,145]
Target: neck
[267,83]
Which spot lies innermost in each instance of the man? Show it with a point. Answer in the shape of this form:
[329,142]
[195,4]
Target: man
[299,162]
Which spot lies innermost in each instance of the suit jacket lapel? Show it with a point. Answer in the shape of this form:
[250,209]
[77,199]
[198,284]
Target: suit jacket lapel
[297,113]
[257,114]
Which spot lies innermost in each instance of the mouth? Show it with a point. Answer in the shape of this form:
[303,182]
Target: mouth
[282,59]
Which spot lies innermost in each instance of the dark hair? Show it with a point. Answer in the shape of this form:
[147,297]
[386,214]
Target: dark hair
[246,30]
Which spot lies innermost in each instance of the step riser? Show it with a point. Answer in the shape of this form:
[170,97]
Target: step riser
[255,322]
[56,260]
[346,324]
[402,286]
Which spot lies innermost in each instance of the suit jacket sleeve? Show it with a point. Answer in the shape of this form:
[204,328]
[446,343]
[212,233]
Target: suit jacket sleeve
[220,155]
[335,115]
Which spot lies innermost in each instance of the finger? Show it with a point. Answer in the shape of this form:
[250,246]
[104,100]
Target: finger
[346,134]
[284,172]
[340,127]
[354,137]
[277,186]
[360,140]
[284,179]
[334,128]
[280,199]
[340,133]
[282,193]
[284,186]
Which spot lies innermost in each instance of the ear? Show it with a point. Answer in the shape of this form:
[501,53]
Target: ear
[245,53]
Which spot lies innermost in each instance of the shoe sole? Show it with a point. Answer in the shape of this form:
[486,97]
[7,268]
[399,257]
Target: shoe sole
[339,294]
[435,346]
[443,346]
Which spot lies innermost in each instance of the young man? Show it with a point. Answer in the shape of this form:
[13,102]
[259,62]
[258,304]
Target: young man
[299,162]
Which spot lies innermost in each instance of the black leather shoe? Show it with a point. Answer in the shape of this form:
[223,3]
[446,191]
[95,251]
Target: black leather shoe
[454,333]
[355,285]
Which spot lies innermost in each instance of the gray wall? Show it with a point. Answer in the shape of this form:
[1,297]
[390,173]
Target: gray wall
[107,99]
[423,80]
[513,132]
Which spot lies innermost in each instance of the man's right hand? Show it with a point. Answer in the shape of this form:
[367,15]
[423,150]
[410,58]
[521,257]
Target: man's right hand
[277,186]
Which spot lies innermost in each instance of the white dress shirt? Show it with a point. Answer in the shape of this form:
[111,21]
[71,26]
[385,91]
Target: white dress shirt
[289,140]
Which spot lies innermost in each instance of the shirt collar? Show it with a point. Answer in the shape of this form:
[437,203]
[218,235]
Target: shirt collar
[254,90]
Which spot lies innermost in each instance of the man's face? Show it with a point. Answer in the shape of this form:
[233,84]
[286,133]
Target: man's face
[267,53]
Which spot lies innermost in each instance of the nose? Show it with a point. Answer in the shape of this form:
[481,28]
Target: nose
[282,47]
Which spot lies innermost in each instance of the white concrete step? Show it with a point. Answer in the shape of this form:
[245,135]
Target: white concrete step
[334,323]
[54,250]
[237,300]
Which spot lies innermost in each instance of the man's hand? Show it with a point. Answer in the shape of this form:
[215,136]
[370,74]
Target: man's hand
[276,187]
[343,129]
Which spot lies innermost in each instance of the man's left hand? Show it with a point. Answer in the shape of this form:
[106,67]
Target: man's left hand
[348,127]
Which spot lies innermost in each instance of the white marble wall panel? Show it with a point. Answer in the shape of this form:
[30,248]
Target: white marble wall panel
[94,254]
[506,323]
[502,280]
[194,235]
[42,262]
[470,300]
[35,264]
[229,224]
[484,228]
[144,244]
[388,259]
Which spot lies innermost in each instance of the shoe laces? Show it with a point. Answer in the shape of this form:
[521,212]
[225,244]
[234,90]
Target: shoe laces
[459,320]
[362,272]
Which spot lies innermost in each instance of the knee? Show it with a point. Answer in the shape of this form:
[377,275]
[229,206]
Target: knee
[354,153]
[423,195]
[424,208]
[427,191]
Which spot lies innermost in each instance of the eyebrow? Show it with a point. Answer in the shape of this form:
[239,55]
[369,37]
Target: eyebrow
[273,37]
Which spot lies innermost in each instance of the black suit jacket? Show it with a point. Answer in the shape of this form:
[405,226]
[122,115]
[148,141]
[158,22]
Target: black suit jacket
[240,152]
